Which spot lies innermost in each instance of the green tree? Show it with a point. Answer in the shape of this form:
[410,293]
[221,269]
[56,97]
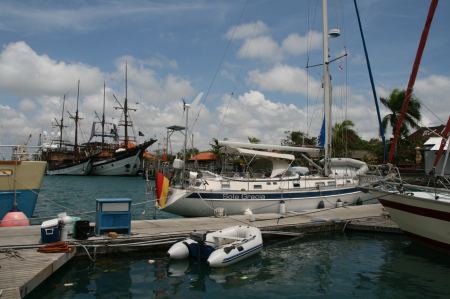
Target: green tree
[344,138]
[253,140]
[394,103]
[294,138]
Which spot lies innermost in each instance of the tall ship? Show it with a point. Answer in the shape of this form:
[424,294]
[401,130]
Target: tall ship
[64,158]
[117,156]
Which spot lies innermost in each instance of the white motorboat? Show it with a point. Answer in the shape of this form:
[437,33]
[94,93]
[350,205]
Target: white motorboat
[422,213]
[220,248]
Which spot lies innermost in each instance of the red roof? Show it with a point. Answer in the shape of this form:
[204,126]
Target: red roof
[208,156]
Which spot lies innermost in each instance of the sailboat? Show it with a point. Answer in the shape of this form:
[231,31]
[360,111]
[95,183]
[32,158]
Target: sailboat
[284,189]
[64,158]
[117,159]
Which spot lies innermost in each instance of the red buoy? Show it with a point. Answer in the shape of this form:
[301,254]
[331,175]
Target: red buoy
[14,218]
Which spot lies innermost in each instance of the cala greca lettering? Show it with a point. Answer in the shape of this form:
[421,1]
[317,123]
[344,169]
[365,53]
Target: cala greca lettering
[244,196]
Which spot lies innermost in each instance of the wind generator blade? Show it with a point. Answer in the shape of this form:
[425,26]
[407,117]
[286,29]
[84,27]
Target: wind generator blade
[197,99]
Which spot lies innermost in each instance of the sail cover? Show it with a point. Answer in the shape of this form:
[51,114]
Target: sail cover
[321,141]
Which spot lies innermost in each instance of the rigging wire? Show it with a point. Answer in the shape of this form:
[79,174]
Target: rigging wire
[219,66]
[432,112]
[237,83]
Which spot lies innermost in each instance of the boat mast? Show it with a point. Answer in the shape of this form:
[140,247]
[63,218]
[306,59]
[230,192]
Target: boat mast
[61,124]
[103,115]
[125,106]
[76,118]
[326,89]
[185,108]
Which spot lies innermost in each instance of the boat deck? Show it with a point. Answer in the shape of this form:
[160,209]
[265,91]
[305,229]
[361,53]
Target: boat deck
[22,268]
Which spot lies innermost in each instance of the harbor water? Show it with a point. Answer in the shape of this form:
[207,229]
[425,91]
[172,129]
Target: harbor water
[76,196]
[338,265]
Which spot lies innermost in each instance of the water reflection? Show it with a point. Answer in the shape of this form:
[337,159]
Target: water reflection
[337,266]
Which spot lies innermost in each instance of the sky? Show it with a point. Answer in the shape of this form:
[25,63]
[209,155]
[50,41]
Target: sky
[241,64]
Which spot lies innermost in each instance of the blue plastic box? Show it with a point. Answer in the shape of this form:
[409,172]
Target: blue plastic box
[50,231]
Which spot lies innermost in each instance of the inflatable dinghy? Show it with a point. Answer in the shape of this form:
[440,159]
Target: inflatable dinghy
[220,248]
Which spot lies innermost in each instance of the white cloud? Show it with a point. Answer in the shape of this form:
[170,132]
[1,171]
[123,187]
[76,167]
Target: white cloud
[284,78]
[433,92]
[27,105]
[262,47]
[39,83]
[146,86]
[297,45]
[26,73]
[252,114]
[28,16]
[248,30]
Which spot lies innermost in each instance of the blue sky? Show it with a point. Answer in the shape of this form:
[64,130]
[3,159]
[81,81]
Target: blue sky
[256,51]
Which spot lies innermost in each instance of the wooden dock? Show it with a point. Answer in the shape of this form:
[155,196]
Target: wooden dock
[23,268]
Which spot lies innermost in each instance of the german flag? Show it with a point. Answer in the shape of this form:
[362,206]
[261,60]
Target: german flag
[162,188]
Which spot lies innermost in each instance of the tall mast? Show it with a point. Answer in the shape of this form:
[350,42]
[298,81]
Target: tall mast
[103,114]
[76,119]
[326,89]
[61,124]
[185,108]
[125,106]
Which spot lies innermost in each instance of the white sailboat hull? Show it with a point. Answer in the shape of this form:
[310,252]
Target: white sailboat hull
[120,167]
[195,203]
[78,169]
[420,215]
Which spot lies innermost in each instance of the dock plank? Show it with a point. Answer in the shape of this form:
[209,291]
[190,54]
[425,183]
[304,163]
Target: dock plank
[23,270]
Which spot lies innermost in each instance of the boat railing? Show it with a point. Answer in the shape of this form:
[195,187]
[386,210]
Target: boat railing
[20,152]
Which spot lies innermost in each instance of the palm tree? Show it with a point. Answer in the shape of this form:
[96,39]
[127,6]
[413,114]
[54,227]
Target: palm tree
[394,103]
[344,137]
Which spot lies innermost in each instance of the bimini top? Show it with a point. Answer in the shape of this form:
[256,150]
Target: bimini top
[234,144]
[262,154]
[280,162]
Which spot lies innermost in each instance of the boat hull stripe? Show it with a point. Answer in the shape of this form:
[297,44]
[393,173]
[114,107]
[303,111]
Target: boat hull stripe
[435,244]
[231,258]
[441,215]
[207,195]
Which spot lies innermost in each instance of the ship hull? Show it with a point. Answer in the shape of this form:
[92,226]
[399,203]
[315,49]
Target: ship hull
[426,220]
[83,168]
[20,180]
[125,163]
[190,203]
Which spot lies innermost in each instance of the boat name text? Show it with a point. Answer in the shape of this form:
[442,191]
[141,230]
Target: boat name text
[244,196]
